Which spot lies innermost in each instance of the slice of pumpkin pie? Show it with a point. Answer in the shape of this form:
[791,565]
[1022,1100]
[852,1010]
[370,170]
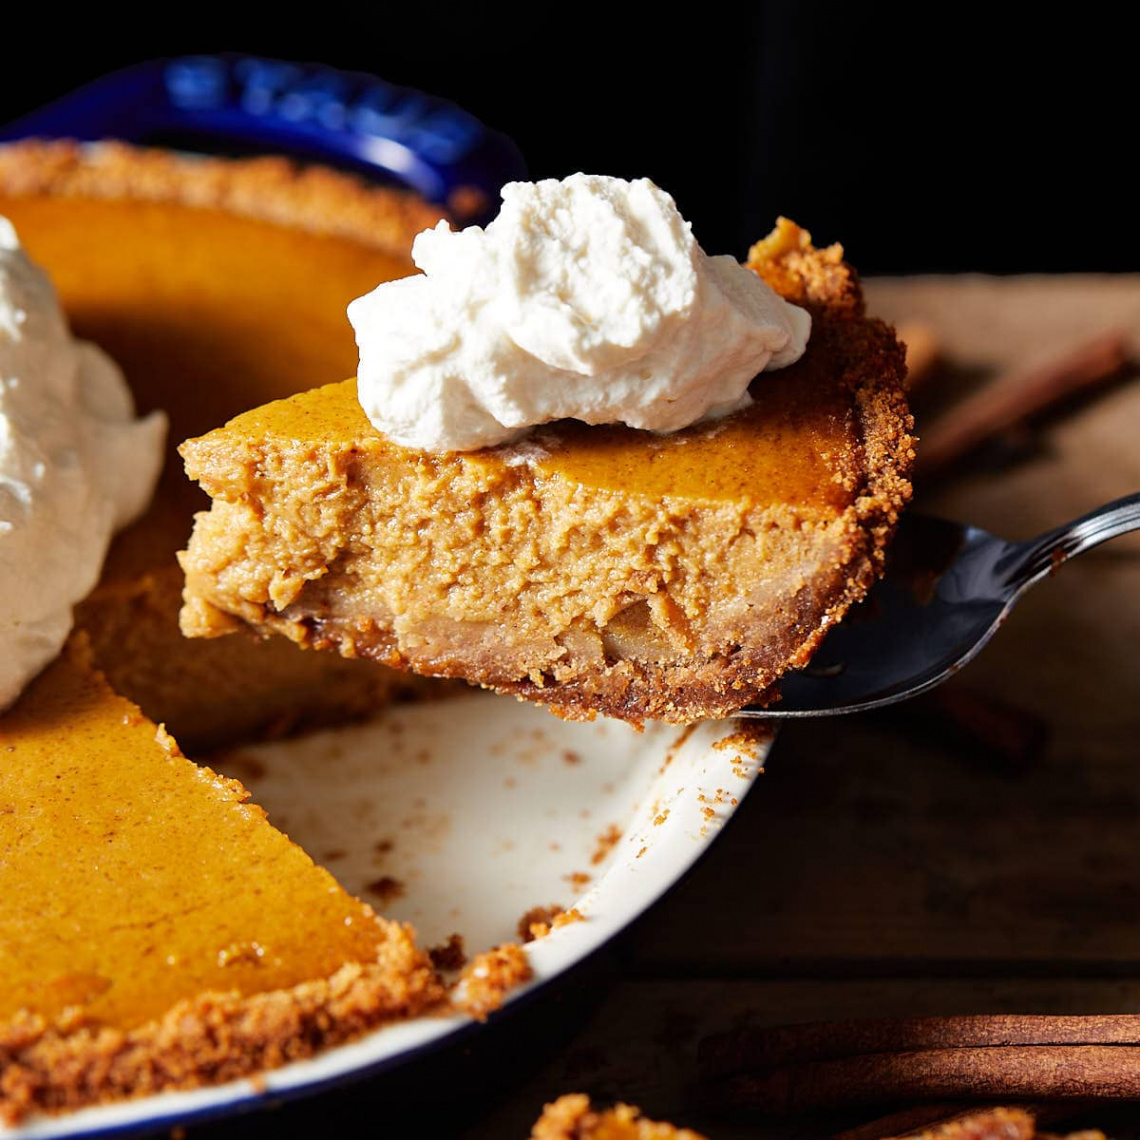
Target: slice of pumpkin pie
[595,568]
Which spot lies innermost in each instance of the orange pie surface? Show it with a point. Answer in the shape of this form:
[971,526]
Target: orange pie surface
[148,908]
[215,285]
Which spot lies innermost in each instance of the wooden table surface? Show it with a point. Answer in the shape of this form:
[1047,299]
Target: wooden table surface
[887,865]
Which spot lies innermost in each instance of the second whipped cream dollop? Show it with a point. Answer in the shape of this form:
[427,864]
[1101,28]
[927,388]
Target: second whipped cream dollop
[586,298]
[75,466]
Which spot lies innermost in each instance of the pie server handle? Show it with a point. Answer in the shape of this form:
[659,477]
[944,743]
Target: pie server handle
[242,104]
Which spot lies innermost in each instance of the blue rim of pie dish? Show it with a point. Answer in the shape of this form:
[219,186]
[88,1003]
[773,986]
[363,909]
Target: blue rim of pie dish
[243,104]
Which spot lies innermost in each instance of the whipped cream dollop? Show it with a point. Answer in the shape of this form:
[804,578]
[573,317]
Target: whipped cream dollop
[586,298]
[75,466]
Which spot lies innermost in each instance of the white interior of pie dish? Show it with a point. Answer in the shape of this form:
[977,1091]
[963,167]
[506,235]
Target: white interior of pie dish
[459,816]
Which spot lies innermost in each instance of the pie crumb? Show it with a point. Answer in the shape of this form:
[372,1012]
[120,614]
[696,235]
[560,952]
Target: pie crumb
[386,888]
[489,978]
[607,841]
[571,1117]
[1012,1123]
[539,921]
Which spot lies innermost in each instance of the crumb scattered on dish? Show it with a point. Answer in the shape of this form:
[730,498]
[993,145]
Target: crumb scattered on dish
[607,841]
[385,888]
[449,956]
[489,978]
[539,921]
[748,740]
[536,918]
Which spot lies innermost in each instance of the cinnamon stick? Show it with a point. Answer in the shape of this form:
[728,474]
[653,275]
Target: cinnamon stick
[923,351]
[752,1050]
[1007,403]
[1013,1072]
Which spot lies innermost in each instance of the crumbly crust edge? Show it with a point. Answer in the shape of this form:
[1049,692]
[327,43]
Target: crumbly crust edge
[210,1039]
[277,190]
[573,1117]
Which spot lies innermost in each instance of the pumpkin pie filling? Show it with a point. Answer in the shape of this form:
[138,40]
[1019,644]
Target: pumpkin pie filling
[215,285]
[157,931]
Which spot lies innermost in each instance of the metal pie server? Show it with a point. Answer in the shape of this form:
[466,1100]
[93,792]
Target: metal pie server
[947,589]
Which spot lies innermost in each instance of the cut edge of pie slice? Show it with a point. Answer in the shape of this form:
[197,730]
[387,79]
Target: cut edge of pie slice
[593,569]
[157,931]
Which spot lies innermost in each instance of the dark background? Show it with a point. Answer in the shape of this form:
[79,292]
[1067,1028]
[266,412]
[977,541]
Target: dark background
[934,137]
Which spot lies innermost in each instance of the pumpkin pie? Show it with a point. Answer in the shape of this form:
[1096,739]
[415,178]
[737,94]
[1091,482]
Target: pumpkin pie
[594,569]
[157,932]
[215,285]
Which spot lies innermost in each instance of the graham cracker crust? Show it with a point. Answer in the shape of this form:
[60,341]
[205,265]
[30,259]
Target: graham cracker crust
[213,1039]
[269,189]
[873,365]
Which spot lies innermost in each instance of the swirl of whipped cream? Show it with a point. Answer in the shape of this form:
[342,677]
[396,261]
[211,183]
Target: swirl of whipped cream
[586,298]
[75,466]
